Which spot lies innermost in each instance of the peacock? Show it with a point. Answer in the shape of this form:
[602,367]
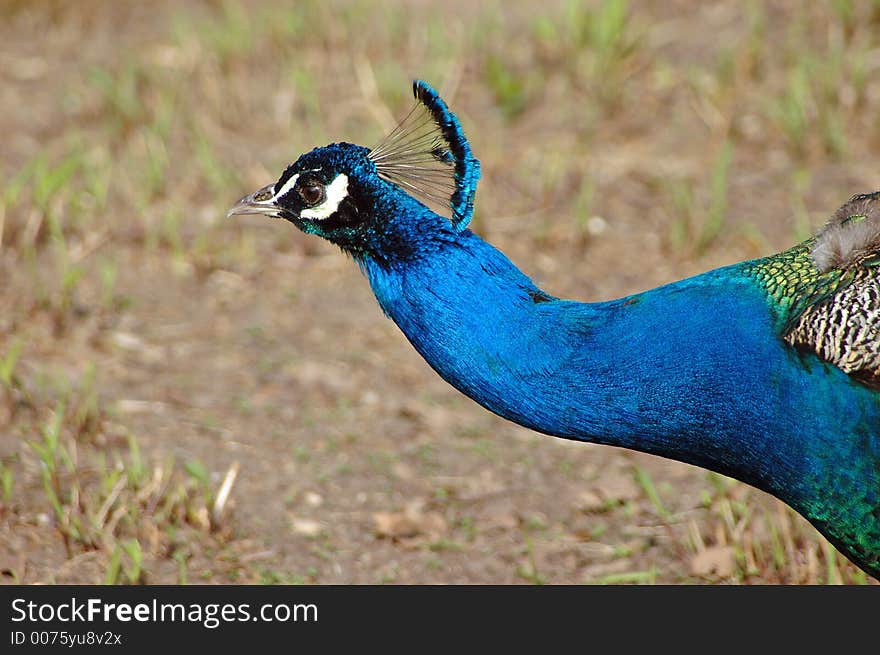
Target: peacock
[767,370]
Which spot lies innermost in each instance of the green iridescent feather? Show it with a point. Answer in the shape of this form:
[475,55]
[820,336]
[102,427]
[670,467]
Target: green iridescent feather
[793,283]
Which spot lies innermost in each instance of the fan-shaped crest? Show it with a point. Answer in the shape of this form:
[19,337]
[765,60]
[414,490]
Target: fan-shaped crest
[428,155]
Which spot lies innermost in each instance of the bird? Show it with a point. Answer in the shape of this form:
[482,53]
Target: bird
[766,370]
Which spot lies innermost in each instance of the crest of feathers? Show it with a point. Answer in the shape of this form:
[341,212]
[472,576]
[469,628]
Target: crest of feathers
[428,156]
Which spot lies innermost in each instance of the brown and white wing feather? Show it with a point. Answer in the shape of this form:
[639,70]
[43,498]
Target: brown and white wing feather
[844,328]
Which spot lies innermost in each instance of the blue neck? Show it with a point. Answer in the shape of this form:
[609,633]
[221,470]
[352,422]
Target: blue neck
[691,371]
[683,371]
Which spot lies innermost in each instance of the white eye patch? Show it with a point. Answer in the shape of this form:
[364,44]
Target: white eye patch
[334,193]
[291,182]
[286,188]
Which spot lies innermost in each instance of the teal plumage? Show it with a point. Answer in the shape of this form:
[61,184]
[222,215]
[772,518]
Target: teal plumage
[765,370]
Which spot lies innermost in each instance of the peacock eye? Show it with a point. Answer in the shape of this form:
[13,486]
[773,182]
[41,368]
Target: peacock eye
[311,193]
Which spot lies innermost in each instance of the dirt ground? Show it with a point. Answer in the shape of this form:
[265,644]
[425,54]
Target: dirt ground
[151,349]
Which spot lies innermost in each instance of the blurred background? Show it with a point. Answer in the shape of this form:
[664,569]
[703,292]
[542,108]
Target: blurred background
[185,398]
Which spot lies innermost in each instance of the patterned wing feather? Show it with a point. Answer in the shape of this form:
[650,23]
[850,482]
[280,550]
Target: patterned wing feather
[845,328]
[838,302]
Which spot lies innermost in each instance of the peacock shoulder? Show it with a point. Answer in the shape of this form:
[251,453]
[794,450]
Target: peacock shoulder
[825,292]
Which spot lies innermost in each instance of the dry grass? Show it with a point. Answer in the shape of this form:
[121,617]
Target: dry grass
[148,347]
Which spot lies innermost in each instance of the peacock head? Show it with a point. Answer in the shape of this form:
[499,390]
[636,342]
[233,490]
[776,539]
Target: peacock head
[357,198]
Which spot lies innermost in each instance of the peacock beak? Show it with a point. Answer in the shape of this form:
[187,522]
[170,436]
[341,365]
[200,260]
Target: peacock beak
[261,201]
